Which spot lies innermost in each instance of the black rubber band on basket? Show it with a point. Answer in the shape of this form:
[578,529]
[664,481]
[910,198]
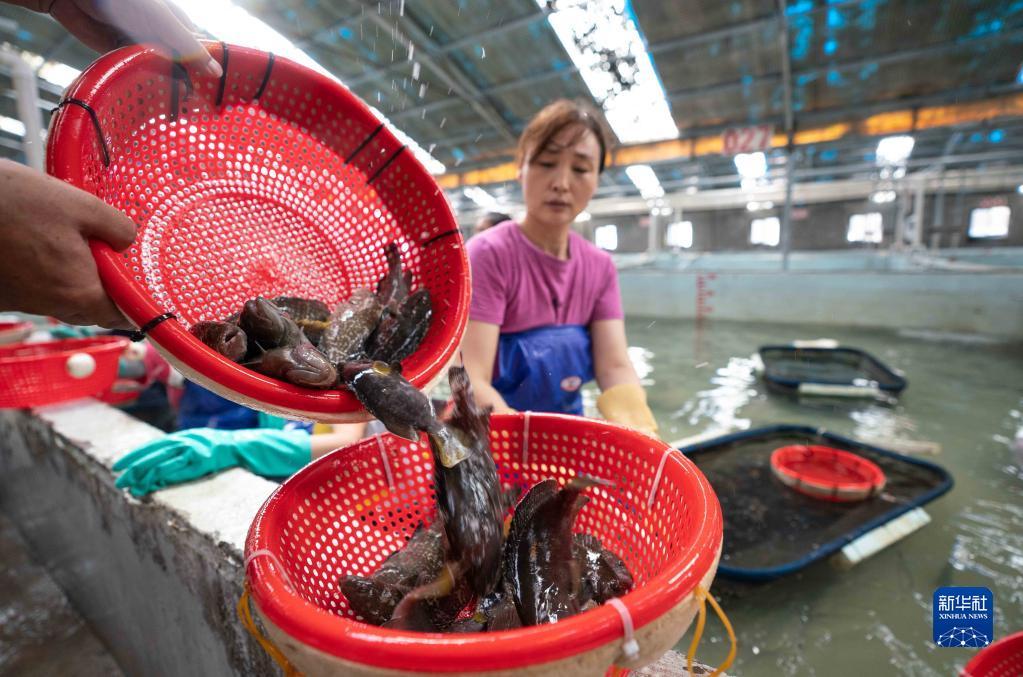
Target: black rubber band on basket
[364,143]
[178,72]
[95,124]
[140,334]
[266,77]
[439,236]
[378,172]
[223,74]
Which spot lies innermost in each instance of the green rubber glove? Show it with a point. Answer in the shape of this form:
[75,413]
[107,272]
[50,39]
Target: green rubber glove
[70,331]
[190,454]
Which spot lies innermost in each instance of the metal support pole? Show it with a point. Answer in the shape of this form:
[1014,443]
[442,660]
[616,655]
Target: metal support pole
[919,211]
[786,219]
[900,222]
[790,127]
[27,95]
[653,242]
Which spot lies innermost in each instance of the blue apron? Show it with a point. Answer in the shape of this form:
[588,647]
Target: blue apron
[202,408]
[543,369]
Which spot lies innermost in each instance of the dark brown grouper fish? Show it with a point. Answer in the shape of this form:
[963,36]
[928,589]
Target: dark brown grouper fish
[604,575]
[399,334]
[471,506]
[393,287]
[418,562]
[226,338]
[301,365]
[278,348]
[309,314]
[403,409]
[267,327]
[539,567]
[349,326]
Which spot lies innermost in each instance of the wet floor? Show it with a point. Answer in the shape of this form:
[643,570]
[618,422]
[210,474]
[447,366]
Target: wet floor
[965,393]
[40,634]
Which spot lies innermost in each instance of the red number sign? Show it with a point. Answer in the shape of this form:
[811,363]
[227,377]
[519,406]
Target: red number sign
[747,139]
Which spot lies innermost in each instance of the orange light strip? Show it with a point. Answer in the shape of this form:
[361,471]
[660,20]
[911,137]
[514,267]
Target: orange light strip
[882,124]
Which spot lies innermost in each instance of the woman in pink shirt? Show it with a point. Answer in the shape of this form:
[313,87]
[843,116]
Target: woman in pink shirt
[546,314]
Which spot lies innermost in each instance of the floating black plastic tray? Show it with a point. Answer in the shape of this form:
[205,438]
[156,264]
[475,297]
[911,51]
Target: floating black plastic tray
[786,367]
[773,531]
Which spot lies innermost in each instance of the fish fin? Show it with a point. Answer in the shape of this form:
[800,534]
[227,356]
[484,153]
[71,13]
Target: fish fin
[405,431]
[447,448]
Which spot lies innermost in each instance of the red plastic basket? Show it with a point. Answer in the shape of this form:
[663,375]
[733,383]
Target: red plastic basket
[272,180]
[34,374]
[13,332]
[1003,658]
[346,512]
[827,473]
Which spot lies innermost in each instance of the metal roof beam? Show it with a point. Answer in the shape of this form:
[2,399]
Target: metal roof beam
[882,60]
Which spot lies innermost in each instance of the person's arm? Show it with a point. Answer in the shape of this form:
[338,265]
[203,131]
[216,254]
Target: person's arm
[105,25]
[341,436]
[611,363]
[622,399]
[48,269]
[479,350]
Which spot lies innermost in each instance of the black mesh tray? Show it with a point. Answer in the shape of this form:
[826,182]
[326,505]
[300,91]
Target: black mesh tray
[786,367]
[771,530]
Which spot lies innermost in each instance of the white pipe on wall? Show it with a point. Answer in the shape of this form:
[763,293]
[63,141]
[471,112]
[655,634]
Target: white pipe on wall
[27,97]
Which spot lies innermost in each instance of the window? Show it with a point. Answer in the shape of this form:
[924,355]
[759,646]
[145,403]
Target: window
[989,222]
[680,234]
[865,227]
[765,231]
[606,237]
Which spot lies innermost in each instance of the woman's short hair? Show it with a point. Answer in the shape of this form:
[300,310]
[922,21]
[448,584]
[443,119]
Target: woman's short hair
[552,119]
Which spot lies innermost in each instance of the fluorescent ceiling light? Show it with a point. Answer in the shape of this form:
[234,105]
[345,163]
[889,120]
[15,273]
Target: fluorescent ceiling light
[759,206]
[59,74]
[226,21]
[603,41]
[12,126]
[883,196]
[894,150]
[583,217]
[481,198]
[751,165]
[1019,189]
[645,179]
[54,72]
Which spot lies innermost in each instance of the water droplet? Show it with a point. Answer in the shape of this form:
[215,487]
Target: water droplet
[443,122]
[415,70]
[756,651]
[483,52]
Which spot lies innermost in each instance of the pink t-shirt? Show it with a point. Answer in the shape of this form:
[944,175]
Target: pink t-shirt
[517,286]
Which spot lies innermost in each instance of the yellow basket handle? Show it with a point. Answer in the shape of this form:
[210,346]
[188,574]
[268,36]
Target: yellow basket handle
[245,614]
[704,596]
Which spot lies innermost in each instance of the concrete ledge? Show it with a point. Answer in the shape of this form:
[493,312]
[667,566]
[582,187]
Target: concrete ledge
[157,580]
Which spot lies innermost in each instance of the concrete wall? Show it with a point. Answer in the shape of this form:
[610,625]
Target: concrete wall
[983,303]
[158,579]
[823,226]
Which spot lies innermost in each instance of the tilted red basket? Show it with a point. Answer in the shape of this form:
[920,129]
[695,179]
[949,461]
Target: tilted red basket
[35,374]
[274,180]
[347,511]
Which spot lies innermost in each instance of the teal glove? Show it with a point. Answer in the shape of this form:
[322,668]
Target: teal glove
[190,454]
[70,331]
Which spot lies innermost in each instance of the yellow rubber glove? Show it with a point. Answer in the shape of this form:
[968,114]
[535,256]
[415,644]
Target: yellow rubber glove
[625,403]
